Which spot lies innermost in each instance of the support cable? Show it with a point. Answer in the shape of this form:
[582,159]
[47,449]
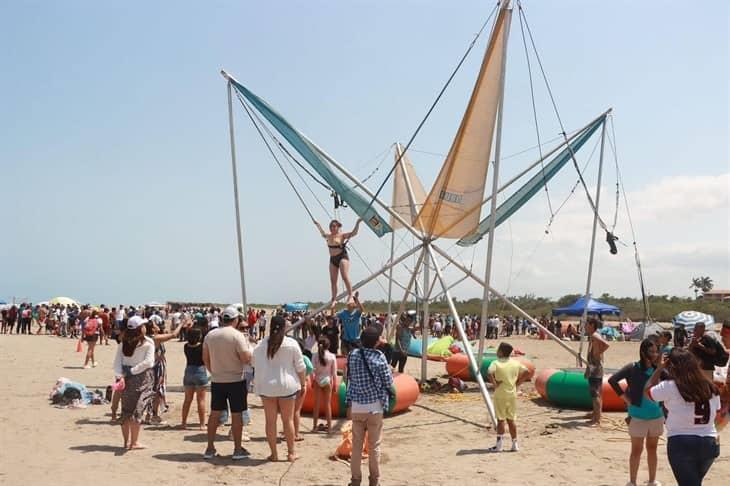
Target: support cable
[534,115]
[560,120]
[433,106]
[256,120]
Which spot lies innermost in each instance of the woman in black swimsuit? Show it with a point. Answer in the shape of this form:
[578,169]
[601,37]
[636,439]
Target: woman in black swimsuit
[339,260]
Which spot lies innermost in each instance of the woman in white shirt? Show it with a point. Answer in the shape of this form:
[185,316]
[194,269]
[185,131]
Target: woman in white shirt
[134,361]
[279,378]
[692,402]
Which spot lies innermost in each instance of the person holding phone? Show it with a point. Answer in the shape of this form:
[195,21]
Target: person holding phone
[692,402]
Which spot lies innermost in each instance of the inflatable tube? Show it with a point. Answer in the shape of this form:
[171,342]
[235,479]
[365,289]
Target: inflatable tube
[568,388]
[406,394]
[458,365]
[414,348]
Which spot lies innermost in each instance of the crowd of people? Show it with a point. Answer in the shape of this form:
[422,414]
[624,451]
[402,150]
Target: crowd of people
[669,389]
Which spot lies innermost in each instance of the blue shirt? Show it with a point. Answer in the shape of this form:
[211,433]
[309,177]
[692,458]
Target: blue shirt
[649,409]
[368,382]
[350,325]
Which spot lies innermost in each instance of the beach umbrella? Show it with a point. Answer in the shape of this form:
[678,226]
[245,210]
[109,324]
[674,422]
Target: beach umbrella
[156,304]
[688,319]
[63,301]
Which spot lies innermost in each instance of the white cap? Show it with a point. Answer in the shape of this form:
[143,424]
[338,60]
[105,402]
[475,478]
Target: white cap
[135,322]
[230,313]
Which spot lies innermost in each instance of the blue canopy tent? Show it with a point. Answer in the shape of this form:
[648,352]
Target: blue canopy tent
[594,307]
[296,307]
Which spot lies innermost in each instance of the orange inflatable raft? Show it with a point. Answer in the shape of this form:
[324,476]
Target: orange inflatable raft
[458,365]
[406,394]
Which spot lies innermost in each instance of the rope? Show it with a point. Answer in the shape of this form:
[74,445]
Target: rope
[631,225]
[560,120]
[254,119]
[534,114]
[271,151]
[432,107]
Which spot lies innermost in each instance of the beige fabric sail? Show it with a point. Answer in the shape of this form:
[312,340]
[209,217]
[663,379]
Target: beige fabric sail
[459,188]
[408,192]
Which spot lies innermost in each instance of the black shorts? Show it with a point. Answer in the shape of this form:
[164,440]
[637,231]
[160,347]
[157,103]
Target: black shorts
[594,386]
[233,396]
[91,339]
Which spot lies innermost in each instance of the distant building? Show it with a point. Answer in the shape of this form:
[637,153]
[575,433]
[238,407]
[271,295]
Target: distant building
[717,294]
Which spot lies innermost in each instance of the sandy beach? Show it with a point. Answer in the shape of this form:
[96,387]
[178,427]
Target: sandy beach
[441,440]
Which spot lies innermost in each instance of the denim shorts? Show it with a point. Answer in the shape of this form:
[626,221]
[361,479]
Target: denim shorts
[195,377]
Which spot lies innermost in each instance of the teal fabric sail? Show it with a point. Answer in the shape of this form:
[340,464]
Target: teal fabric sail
[532,187]
[318,161]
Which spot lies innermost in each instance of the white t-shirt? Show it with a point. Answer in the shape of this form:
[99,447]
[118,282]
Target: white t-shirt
[686,418]
[279,376]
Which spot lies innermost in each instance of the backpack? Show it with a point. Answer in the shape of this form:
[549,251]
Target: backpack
[92,324]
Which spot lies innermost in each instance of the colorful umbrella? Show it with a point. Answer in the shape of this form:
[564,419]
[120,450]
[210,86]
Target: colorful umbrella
[688,319]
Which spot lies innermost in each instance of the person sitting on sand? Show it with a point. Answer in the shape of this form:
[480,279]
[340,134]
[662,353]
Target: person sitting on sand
[133,362]
[339,259]
[594,368]
[506,374]
[279,379]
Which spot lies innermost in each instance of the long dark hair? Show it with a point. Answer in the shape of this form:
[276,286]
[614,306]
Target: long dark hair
[692,384]
[276,335]
[644,348]
[323,345]
[131,339]
[195,335]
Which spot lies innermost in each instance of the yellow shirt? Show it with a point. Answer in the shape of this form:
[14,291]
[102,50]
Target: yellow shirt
[505,372]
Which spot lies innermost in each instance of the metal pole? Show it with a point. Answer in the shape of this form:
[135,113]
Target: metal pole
[409,187]
[424,310]
[464,339]
[388,319]
[362,282]
[587,297]
[514,179]
[235,197]
[411,283]
[495,190]
[451,286]
[505,299]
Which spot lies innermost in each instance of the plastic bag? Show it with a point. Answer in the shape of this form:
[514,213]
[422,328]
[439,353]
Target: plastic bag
[79,346]
[119,385]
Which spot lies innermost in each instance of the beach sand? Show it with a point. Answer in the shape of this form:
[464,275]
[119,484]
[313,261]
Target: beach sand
[441,440]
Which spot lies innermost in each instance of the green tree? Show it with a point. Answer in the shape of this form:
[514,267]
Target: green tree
[703,284]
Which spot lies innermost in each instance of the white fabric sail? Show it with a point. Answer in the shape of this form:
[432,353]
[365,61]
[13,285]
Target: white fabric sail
[449,208]
[408,191]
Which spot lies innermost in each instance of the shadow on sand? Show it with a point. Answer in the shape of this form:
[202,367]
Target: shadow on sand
[118,451]
[218,460]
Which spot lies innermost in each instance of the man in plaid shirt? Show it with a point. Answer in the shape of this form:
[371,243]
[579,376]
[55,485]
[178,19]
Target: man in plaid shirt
[369,382]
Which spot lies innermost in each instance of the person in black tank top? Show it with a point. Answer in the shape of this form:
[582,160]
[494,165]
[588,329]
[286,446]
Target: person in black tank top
[196,377]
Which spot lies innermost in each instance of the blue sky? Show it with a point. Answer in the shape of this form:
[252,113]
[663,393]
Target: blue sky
[115,160]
